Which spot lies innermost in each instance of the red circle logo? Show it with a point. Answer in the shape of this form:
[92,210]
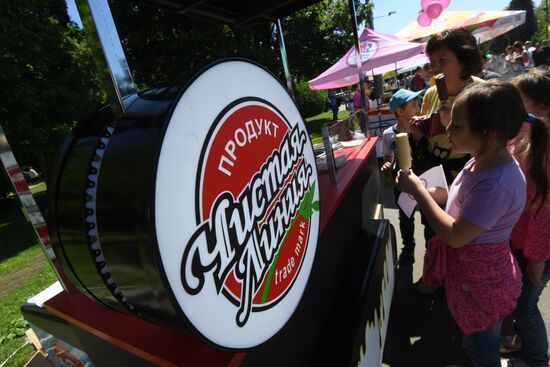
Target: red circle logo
[254,202]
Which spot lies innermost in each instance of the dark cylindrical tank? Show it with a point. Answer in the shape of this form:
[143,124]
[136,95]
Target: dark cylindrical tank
[102,205]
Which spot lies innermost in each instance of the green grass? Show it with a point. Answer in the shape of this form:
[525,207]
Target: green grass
[22,259]
[315,123]
[19,249]
[11,319]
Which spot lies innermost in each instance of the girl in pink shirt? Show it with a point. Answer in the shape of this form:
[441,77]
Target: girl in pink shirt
[531,236]
[482,279]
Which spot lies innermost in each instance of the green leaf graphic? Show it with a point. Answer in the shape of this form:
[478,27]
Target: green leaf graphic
[315,205]
[306,209]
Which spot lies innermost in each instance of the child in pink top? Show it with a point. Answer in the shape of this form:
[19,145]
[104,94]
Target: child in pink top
[531,236]
[482,278]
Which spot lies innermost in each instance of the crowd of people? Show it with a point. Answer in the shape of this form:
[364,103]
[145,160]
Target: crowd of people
[514,60]
[518,58]
[487,237]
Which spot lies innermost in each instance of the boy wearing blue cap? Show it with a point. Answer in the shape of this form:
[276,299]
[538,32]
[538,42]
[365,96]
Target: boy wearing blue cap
[405,105]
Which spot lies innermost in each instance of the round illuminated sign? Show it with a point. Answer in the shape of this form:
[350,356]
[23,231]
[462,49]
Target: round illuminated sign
[236,204]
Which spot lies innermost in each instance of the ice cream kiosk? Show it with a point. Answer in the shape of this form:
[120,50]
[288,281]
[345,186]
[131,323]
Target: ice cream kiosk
[192,226]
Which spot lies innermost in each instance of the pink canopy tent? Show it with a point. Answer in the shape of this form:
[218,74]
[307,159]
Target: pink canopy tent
[377,49]
[403,65]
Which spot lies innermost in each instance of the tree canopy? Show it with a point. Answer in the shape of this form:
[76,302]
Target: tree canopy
[48,75]
[318,36]
[51,82]
[160,44]
[542,29]
[522,33]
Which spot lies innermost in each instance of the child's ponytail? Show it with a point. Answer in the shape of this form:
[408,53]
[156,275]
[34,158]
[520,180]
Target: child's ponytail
[536,160]
[533,145]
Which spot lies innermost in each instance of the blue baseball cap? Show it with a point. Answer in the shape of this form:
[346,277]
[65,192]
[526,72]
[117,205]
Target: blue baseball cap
[401,97]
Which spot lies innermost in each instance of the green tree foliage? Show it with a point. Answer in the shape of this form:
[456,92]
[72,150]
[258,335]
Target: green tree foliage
[522,33]
[161,45]
[540,14]
[316,37]
[50,80]
[310,102]
[48,76]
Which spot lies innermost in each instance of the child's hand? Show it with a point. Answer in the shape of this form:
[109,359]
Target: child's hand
[408,182]
[386,166]
[534,271]
[415,129]
[426,126]
[445,113]
[413,122]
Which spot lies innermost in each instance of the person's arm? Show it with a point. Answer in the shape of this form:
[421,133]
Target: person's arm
[387,151]
[456,232]
[430,99]
[535,271]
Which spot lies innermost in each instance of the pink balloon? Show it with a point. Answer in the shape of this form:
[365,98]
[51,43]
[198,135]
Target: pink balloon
[424,20]
[434,10]
[425,3]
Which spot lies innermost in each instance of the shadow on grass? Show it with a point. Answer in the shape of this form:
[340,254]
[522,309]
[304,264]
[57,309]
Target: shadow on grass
[16,232]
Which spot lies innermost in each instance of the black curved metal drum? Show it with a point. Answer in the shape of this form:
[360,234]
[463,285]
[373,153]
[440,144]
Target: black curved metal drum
[198,208]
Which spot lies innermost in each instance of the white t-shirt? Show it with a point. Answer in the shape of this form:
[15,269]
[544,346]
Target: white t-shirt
[388,140]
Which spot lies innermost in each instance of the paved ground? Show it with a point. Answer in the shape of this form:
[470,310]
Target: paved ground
[421,331]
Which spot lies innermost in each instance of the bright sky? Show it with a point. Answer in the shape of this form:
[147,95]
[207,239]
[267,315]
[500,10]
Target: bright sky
[73,12]
[407,11]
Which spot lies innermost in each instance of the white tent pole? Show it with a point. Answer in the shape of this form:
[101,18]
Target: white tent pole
[396,83]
